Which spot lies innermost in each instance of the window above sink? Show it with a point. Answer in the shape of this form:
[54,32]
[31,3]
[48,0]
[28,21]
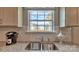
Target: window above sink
[40,20]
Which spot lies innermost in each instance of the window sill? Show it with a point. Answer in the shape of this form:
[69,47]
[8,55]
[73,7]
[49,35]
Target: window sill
[42,32]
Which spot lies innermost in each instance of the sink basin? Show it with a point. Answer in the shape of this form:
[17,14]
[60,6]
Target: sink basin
[41,46]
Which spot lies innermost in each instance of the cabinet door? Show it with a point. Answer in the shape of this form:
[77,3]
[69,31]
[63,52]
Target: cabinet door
[78,14]
[76,35]
[71,16]
[9,16]
[68,35]
[1,16]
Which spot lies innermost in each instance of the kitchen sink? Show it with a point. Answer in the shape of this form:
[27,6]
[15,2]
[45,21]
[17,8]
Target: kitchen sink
[41,46]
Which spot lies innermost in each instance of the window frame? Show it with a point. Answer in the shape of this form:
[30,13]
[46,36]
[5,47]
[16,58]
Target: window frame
[53,17]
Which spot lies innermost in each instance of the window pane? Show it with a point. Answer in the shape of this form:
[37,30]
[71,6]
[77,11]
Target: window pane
[40,15]
[33,15]
[48,15]
[48,28]
[33,25]
[47,23]
[33,28]
[33,12]
[40,12]
[40,28]
[41,23]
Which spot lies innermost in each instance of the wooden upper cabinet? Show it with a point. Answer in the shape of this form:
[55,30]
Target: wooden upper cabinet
[1,16]
[8,16]
[78,14]
[71,16]
[76,35]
